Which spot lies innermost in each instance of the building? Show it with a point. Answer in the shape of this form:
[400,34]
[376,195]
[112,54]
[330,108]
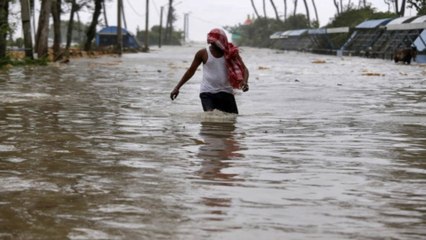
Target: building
[108,37]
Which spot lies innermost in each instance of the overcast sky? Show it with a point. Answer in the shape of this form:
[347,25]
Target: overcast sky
[208,14]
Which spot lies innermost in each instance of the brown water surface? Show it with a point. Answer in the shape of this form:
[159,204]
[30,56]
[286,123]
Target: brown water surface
[324,148]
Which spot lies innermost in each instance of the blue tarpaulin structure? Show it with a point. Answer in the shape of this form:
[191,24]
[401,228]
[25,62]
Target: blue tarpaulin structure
[108,37]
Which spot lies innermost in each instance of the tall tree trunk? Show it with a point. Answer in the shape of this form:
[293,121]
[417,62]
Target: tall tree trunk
[255,10]
[41,46]
[4,26]
[264,9]
[105,14]
[275,10]
[396,6]
[26,28]
[295,7]
[336,4]
[308,15]
[316,12]
[57,38]
[402,11]
[285,10]
[74,8]
[91,31]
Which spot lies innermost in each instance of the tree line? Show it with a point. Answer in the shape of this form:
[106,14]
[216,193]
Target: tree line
[396,6]
[349,13]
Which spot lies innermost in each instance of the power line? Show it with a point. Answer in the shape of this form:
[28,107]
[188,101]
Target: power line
[134,10]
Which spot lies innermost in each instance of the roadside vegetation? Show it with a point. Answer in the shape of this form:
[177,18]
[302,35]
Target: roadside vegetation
[70,35]
[261,28]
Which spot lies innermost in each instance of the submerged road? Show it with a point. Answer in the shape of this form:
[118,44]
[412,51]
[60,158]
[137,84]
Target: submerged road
[324,148]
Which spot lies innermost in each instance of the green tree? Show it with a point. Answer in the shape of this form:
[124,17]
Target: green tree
[56,15]
[154,36]
[255,9]
[41,45]
[91,31]
[353,17]
[257,34]
[419,5]
[4,26]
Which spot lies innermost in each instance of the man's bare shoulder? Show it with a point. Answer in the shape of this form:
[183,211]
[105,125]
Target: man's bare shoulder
[202,55]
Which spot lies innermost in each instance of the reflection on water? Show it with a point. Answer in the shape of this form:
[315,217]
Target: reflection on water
[96,150]
[217,148]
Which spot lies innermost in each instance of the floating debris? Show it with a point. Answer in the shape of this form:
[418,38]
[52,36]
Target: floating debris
[373,74]
[262,68]
[318,61]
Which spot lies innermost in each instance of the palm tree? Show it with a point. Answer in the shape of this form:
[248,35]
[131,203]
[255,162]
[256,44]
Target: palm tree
[91,31]
[26,28]
[4,26]
[308,16]
[254,8]
[295,7]
[264,9]
[400,11]
[285,10]
[336,4]
[56,14]
[316,11]
[275,10]
[42,36]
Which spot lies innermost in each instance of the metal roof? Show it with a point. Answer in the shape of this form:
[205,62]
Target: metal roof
[289,33]
[370,24]
[420,42]
[399,20]
[112,30]
[299,32]
[328,30]
[420,19]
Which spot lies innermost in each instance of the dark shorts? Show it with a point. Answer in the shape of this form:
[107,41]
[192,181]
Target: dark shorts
[222,101]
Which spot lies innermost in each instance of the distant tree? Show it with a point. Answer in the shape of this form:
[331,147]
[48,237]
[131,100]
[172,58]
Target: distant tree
[336,4]
[41,45]
[264,9]
[257,34]
[295,7]
[308,16]
[91,31]
[353,17]
[75,7]
[419,5]
[254,8]
[56,15]
[171,18]
[4,26]
[400,8]
[316,14]
[285,10]
[275,10]
[399,5]
[26,28]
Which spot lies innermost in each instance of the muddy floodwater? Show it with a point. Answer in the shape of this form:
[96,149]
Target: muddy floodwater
[324,148]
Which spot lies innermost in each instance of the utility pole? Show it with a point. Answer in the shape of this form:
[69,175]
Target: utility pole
[146,48]
[161,27]
[186,27]
[119,30]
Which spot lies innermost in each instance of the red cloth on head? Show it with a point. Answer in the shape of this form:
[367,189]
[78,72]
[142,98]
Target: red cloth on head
[233,64]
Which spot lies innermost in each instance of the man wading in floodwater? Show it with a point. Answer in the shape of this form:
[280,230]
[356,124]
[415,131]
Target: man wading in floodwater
[223,70]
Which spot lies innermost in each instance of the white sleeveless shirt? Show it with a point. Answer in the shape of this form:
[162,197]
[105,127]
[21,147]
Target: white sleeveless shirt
[215,75]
